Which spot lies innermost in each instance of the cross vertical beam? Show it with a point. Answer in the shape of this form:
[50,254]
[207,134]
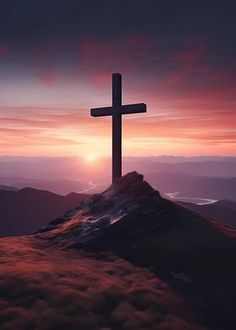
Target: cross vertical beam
[116,126]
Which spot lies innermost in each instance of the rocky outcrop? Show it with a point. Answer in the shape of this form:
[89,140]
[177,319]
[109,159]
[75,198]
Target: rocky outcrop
[128,208]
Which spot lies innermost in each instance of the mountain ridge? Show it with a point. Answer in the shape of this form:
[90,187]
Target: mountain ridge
[25,210]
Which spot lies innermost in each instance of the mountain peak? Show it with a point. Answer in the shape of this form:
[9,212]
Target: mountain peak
[130,184]
[120,210]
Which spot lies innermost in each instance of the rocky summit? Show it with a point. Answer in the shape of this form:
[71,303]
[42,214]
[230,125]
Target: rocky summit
[127,209]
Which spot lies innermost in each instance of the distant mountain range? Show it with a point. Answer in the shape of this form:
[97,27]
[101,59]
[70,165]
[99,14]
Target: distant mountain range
[193,186]
[4,187]
[187,185]
[200,166]
[76,168]
[25,210]
[59,186]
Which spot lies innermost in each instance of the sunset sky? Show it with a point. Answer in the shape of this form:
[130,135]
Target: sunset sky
[56,61]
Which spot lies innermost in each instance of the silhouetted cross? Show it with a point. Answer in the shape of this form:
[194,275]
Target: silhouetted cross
[116,111]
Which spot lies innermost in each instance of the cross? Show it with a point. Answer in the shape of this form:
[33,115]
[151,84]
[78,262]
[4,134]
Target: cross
[116,111]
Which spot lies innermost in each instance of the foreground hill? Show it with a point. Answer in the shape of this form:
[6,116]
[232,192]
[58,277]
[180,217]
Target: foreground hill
[47,288]
[25,210]
[223,211]
[131,219]
[123,259]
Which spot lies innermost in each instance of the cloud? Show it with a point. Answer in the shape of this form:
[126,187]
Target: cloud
[48,77]
[189,57]
[189,100]
[125,54]
[171,122]
[4,51]
[86,56]
[46,288]
[100,78]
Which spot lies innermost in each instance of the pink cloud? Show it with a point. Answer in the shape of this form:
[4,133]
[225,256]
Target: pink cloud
[189,57]
[48,77]
[43,60]
[100,78]
[4,51]
[127,53]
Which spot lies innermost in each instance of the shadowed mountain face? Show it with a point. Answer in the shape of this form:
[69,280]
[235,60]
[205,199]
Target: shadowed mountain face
[24,211]
[223,211]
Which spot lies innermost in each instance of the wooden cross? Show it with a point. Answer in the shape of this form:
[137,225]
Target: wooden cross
[116,111]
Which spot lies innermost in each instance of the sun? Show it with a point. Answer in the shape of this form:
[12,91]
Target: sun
[91,158]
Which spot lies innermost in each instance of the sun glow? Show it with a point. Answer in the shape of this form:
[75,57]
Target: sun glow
[91,158]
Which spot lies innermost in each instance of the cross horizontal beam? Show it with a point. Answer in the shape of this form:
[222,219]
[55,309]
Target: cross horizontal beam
[122,110]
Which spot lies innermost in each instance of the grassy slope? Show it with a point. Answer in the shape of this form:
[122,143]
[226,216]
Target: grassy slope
[49,288]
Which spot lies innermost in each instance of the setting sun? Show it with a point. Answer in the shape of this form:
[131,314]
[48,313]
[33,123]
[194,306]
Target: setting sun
[91,158]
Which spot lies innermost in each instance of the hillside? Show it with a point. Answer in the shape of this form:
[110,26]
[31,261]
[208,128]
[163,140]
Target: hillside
[131,219]
[223,211]
[47,288]
[123,259]
[24,211]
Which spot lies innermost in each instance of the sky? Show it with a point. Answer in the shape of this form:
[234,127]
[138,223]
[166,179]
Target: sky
[56,61]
